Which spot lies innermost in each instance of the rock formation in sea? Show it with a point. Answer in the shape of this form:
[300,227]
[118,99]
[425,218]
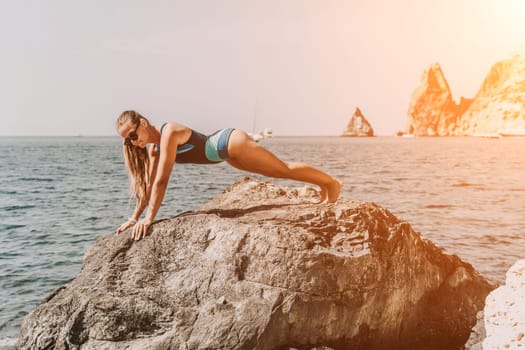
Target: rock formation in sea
[432,110]
[358,125]
[264,267]
[501,325]
[498,106]
[500,103]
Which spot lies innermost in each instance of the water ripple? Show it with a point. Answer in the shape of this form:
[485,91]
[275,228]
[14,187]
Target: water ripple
[18,207]
[467,184]
[37,179]
[438,206]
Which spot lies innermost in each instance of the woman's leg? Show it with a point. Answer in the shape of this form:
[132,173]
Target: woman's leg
[248,155]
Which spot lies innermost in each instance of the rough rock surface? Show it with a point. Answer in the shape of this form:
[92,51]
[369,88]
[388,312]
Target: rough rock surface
[499,105]
[358,125]
[263,267]
[502,323]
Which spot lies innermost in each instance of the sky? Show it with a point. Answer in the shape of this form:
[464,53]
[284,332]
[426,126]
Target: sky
[300,67]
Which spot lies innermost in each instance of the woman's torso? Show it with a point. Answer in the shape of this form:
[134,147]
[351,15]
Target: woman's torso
[202,149]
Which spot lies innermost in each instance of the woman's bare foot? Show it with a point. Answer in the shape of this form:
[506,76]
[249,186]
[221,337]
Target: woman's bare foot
[334,189]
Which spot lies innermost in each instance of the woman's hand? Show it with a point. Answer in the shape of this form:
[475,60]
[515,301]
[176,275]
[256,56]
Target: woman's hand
[141,229]
[126,225]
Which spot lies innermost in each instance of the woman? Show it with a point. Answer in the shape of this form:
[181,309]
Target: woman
[151,151]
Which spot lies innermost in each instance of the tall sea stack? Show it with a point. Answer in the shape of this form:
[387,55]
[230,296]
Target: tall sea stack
[358,126]
[432,110]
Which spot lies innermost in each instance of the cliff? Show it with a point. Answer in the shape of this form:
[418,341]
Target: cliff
[358,125]
[498,106]
[264,267]
[432,110]
[500,103]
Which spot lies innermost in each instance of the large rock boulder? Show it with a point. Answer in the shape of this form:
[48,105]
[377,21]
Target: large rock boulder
[501,325]
[358,126]
[498,107]
[264,267]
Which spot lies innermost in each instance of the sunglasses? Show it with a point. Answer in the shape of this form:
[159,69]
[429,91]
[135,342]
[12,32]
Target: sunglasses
[132,136]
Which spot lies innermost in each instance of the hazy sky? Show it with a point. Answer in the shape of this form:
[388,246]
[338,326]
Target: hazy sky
[70,67]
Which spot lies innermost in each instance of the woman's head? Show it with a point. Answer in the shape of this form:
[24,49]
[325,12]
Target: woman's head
[128,126]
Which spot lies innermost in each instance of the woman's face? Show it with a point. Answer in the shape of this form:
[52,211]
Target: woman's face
[132,134]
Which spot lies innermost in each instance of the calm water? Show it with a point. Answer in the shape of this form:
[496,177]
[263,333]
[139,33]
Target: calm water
[57,195]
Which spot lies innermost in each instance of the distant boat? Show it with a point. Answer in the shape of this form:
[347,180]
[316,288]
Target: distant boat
[487,135]
[512,133]
[404,134]
[255,137]
[258,136]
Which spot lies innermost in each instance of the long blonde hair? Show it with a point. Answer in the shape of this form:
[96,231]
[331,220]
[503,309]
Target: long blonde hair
[137,160]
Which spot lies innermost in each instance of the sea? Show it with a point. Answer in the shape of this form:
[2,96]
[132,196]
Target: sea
[58,194]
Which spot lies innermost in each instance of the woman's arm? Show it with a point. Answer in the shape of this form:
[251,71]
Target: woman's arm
[172,136]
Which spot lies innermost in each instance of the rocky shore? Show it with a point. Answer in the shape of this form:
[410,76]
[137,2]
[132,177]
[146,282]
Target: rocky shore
[264,267]
[501,325]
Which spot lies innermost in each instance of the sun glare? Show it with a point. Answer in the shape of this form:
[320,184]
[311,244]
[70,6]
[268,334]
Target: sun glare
[505,20]
[515,14]
[517,6]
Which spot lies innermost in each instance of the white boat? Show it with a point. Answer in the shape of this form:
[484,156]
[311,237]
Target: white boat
[403,134]
[258,136]
[255,137]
